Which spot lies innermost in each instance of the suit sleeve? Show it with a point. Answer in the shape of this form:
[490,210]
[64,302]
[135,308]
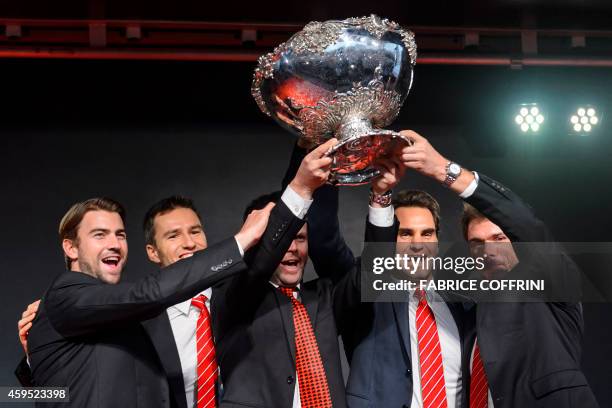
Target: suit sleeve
[518,221]
[78,304]
[297,155]
[24,374]
[348,289]
[239,296]
[264,257]
[329,253]
[509,211]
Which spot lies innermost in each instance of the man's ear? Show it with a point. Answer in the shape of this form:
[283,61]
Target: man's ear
[152,254]
[70,249]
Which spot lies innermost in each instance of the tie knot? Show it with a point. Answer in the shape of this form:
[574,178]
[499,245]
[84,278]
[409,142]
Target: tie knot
[419,295]
[287,291]
[199,301]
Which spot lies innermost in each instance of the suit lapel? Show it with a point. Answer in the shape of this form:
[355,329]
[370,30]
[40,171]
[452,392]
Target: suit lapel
[286,312]
[400,311]
[161,335]
[311,302]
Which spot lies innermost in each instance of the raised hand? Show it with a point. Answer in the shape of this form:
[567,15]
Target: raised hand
[25,323]
[314,170]
[254,227]
[391,172]
[422,157]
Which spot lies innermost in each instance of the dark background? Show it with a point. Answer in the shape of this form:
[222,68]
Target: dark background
[139,131]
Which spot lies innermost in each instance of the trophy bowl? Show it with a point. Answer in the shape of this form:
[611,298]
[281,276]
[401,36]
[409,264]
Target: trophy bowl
[344,79]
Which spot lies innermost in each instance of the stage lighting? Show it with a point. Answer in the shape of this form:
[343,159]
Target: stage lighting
[584,120]
[529,118]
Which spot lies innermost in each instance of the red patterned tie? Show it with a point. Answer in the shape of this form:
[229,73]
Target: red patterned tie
[207,364]
[433,387]
[314,391]
[479,386]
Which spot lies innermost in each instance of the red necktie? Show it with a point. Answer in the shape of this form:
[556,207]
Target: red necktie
[433,387]
[479,386]
[314,391]
[207,364]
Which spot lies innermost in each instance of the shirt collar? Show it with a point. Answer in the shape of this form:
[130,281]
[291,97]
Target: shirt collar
[185,306]
[277,286]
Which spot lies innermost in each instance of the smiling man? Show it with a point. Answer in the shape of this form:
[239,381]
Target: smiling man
[88,335]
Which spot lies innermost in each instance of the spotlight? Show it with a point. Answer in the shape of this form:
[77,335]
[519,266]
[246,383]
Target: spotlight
[584,120]
[529,118]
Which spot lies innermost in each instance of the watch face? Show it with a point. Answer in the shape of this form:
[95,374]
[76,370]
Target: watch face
[454,169]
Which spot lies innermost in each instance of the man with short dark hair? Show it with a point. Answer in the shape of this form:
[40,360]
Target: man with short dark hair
[88,336]
[409,352]
[527,354]
[173,231]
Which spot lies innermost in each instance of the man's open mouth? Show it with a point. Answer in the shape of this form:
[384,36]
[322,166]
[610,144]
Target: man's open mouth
[111,260]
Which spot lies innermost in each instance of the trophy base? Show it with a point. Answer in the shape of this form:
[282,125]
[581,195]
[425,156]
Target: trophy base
[354,157]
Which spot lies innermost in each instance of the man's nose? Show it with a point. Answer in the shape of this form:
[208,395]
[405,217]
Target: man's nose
[188,241]
[113,242]
[490,249]
[416,245]
[293,246]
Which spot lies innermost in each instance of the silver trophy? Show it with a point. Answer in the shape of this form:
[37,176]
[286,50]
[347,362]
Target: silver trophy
[345,79]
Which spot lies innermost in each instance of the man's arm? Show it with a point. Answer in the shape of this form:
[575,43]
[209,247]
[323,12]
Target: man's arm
[78,304]
[381,228]
[491,198]
[265,256]
[348,290]
[297,155]
[288,216]
[323,225]
[22,372]
[509,212]
[330,255]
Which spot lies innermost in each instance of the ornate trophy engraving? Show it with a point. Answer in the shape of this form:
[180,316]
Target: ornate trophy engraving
[345,79]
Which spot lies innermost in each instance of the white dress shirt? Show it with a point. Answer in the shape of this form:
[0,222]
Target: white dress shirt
[450,343]
[184,317]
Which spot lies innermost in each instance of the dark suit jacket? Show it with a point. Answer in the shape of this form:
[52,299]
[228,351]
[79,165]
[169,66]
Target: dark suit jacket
[376,336]
[531,350]
[254,325]
[88,335]
[159,328]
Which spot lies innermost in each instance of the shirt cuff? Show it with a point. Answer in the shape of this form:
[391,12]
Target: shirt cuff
[240,249]
[381,217]
[298,206]
[471,188]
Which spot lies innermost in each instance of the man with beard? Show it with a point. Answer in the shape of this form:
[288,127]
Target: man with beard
[527,354]
[87,334]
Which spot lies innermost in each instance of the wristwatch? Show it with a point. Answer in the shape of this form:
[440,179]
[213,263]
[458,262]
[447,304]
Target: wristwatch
[453,170]
[383,200]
